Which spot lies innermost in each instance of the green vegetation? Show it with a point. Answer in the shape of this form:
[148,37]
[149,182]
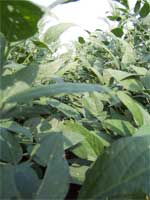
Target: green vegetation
[77,119]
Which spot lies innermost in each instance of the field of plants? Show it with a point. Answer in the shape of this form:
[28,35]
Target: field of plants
[75,125]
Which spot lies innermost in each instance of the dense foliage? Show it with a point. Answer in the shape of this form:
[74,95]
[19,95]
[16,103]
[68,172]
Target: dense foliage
[80,119]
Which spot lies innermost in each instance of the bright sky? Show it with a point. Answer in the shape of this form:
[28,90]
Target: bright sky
[88,14]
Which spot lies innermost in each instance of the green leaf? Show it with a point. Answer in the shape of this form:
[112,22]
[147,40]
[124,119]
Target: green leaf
[93,104]
[132,84]
[40,44]
[8,188]
[18,86]
[57,2]
[55,89]
[15,127]
[137,6]
[143,130]
[122,170]
[139,70]
[92,145]
[129,55]
[43,149]
[38,73]
[10,149]
[129,81]
[77,173]
[119,127]
[19,181]
[64,108]
[18,81]
[146,81]
[125,3]
[56,179]
[20,18]
[26,180]
[81,40]
[48,70]
[140,115]
[53,33]
[117,32]
[67,67]
[2,50]
[145,10]
[114,17]
[13,68]
[119,74]
[71,138]
[24,111]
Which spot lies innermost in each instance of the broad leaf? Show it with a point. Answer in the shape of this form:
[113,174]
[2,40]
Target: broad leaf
[127,167]
[92,145]
[139,70]
[129,81]
[132,84]
[56,179]
[137,6]
[15,127]
[26,180]
[8,188]
[71,138]
[119,127]
[64,108]
[53,33]
[129,55]
[146,81]
[77,173]
[140,115]
[118,74]
[10,149]
[42,149]
[94,105]
[145,10]
[117,32]
[143,130]
[20,18]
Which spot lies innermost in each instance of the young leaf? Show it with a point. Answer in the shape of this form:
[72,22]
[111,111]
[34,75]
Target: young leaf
[117,32]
